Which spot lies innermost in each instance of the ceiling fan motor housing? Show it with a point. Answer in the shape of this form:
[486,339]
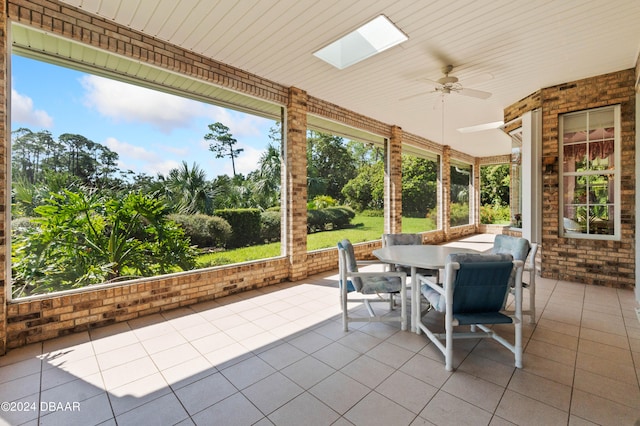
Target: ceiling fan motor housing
[448,80]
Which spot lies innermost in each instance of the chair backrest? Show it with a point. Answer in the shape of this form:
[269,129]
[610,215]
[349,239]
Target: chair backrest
[347,260]
[515,246]
[401,240]
[481,282]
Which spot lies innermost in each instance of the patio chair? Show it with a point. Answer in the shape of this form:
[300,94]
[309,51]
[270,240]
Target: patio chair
[520,249]
[408,240]
[369,283]
[474,291]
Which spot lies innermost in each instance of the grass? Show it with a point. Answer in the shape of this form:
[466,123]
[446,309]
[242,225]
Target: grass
[365,228]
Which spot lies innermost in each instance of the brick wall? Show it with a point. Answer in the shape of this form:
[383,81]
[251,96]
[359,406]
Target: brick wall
[70,312]
[608,263]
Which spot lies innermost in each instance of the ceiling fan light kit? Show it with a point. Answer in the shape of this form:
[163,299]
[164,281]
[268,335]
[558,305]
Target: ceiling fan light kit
[450,84]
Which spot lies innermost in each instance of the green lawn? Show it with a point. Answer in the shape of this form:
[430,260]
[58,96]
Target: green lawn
[366,229]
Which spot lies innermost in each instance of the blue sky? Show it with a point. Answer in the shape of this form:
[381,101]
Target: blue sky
[152,132]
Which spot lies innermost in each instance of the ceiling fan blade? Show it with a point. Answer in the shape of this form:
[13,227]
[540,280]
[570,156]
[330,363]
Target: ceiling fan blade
[478,78]
[481,127]
[474,93]
[431,82]
[406,98]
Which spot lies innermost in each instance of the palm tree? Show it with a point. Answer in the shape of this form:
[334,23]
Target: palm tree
[188,190]
[266,180]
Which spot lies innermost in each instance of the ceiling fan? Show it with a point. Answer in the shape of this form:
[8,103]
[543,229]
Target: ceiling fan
[450,84]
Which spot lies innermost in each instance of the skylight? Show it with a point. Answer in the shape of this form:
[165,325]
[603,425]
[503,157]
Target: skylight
[370,39]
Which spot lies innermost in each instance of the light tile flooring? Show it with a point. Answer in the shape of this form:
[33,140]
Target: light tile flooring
[279,356]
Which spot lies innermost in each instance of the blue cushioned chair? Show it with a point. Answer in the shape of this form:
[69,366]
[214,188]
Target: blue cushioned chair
[369,283]
[520,249]
[475,289]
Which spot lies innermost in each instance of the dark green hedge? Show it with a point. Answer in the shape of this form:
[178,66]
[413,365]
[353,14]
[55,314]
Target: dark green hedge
[203,230]
[245,226]
[329,218]
[270,226]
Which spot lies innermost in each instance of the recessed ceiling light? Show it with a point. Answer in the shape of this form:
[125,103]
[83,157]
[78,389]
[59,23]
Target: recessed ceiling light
[370,39]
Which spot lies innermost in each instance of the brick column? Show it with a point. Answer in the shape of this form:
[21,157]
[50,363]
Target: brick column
[393,182]
[475,212]
[294,200]
[5,277]
[445,191]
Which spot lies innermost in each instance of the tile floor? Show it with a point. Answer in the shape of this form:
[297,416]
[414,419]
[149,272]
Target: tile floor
[279,356]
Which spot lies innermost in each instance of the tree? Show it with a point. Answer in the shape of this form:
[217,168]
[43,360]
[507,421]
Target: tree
[29,152]
[188,190]
[330,165]
[366,190]
[494,185]
[419,185]
[224,143]
[265,182]
[84,238]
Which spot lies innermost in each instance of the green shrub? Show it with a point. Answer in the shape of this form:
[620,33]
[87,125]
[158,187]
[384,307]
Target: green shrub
[492,214]
[270,226]
[321,202]
[245,226]
[459,214]
[329,218]
[204,230]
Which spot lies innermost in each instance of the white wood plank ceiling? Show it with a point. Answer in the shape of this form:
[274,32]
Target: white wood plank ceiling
[524,45]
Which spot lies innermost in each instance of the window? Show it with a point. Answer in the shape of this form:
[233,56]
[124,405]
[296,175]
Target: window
[461,176]
[494,194]
[345,186]
[420,173]
[590,180]
[113,181]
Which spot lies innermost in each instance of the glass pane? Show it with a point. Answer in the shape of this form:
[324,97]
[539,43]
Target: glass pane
[574,157]
[419,194]
[601,155]
[460,182]
[600,220]
[574,128]
[601,189]
[570,221]
[575,189]
[600,120]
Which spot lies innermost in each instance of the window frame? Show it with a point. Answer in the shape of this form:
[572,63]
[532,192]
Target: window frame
[614,172]
[455,163]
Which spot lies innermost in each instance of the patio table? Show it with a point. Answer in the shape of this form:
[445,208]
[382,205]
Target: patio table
[422,256]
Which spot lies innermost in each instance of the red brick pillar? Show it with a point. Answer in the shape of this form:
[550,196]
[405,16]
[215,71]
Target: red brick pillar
[5,278]
[393,182]
[294,202]
[445,192]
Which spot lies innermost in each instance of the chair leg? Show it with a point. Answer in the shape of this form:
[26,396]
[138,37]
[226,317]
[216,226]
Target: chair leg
[448,356]
[343,303]
[532,297]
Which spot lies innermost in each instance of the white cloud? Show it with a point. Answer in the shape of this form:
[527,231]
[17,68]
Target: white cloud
[129,103]
[22,111]
[240,125]
[139,159]
[246,162]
